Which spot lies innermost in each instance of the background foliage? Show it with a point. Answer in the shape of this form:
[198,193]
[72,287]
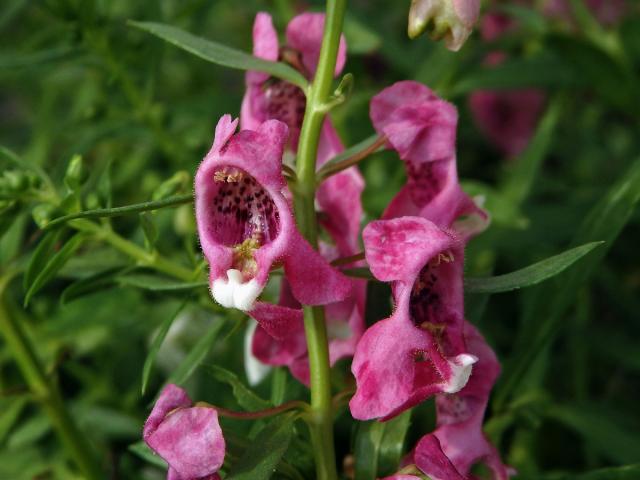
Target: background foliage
[79,87]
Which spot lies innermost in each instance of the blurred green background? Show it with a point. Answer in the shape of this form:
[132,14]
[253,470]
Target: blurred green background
[75,79]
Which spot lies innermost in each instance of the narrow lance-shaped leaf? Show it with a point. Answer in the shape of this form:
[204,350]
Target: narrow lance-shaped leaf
[53,265]
[221,54]
[604,222]
[245,397]
[157,343]
[196,355]
[157,283]
[530,275]
[261,458]
[600,429]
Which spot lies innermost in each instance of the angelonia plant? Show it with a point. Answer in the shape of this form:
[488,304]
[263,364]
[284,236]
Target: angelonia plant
[287,255]
[275,191]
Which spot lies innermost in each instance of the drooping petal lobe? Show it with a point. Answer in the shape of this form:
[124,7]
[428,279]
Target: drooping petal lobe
[187,437]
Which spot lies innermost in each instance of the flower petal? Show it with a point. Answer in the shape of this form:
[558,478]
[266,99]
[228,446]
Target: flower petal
[265,45]
[170,398]
[313,281]
[190,441]
[398,249]
[304,33]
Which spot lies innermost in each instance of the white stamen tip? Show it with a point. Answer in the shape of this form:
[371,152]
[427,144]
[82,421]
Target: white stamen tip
[233,293]
[461,367]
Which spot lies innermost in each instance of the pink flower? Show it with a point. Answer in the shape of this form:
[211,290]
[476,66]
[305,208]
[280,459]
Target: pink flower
[280,338]
[187,437]
[419,351]
[508,118]
[422,128]
[452,20]
[458,442]
[270,98]
[245,222]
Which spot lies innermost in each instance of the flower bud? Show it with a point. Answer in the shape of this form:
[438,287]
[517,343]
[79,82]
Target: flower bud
[15,181]
[75,174]
[449,19]
[43,213]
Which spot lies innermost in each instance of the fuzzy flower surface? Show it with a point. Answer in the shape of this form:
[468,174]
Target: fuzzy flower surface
[419,351]
[451,20]
[187,437]
[458,442]
[279,338]
[421,128]
[271,98]
[245,221]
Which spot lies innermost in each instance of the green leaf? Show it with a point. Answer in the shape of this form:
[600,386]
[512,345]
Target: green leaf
[392,445]
[127,209]
[544,317]
[91,284]
[543,70]
[517,186]
[261,458]
[245,397]
[155,346]
[531,275]
[144,452]
[51,265]
[10,410]
[628,472]
[157,283]
[149,229]
[379,447]
[197,354]
[221,54]
[367,445]
[39,258]
[600,430]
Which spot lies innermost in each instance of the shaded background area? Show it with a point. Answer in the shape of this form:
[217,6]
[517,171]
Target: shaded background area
[75,79]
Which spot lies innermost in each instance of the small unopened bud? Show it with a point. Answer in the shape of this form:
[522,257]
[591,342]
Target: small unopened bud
[451,20]
[16,180]
[43,213]
[75,174]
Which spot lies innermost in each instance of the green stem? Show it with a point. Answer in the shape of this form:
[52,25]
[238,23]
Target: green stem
[142,256]
[46,391]
[321,415]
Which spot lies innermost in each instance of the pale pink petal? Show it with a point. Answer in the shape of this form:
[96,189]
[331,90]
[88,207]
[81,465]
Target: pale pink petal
[304,33]
[265,45]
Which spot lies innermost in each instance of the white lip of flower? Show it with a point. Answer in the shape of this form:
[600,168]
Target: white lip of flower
[232,292]
[461,367]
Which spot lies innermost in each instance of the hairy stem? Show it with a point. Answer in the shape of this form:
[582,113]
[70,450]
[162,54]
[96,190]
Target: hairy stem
[46,391]
[320,419]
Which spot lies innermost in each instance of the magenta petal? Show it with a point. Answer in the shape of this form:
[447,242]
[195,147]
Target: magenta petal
[265,45]
[276,320]
[313,281]
[508,119]
[244,221]
[397,249]
[190,441]
[170,398]
[304,33]
[430,458]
